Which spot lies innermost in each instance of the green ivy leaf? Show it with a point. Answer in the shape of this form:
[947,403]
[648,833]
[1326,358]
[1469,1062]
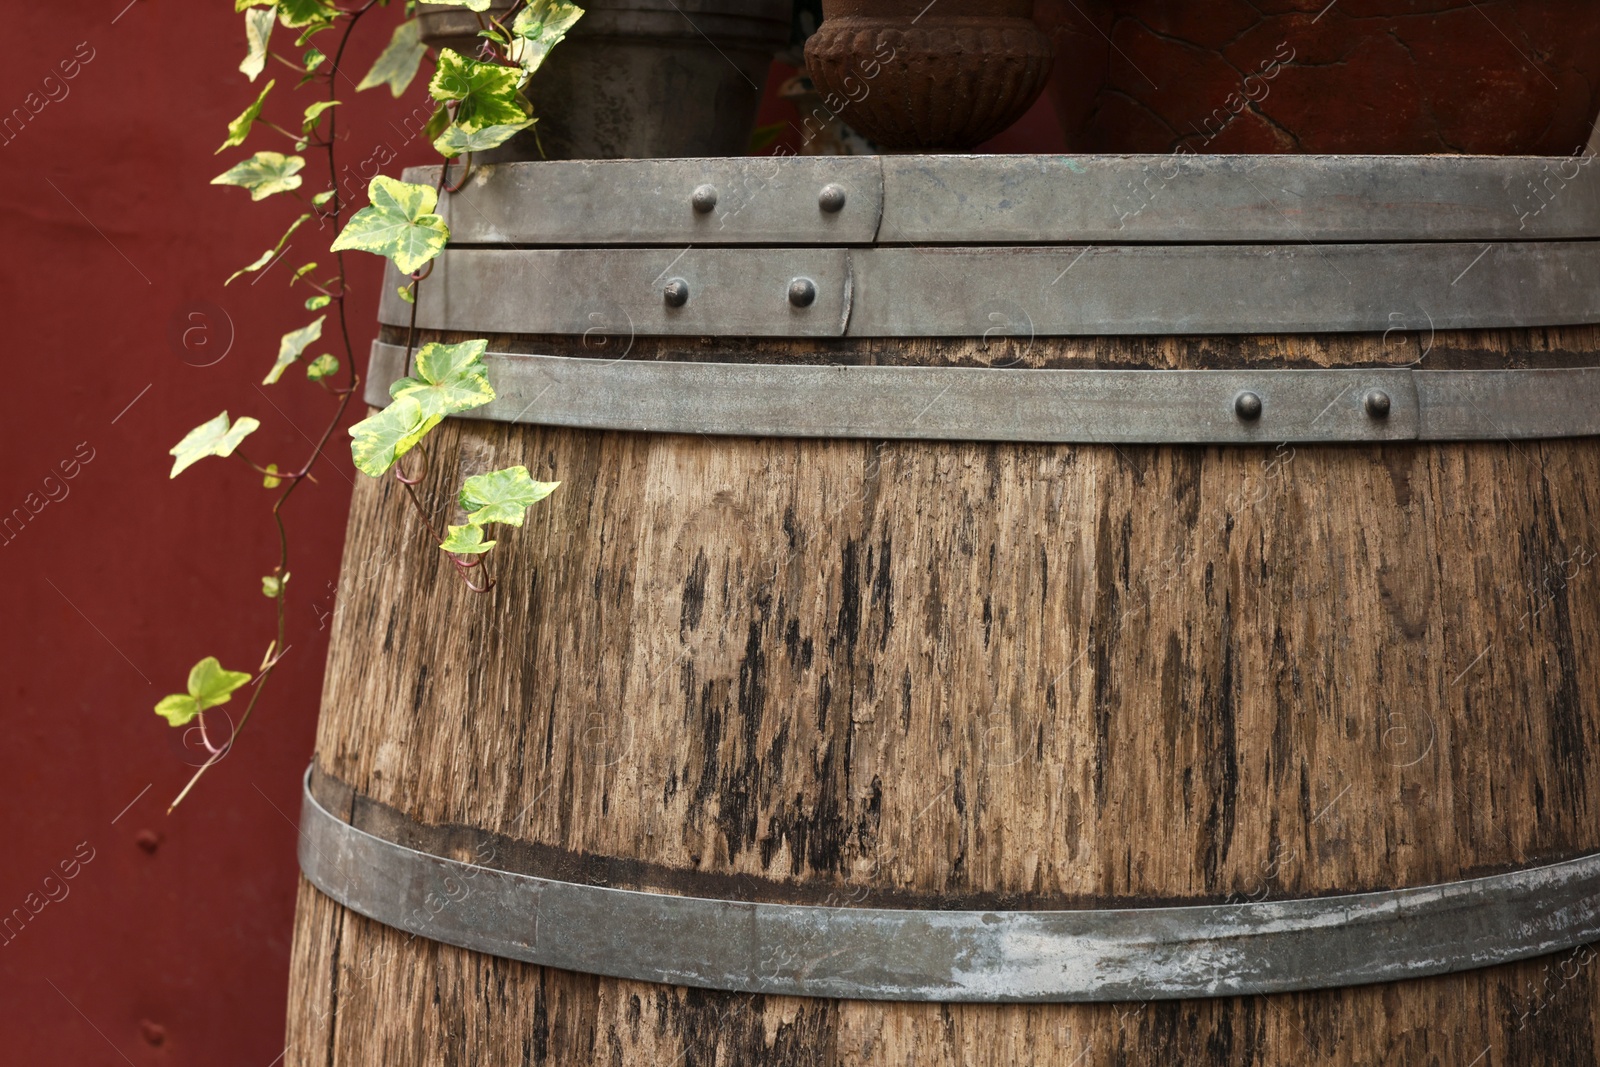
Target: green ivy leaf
[407,294]
[450,379]
[310,32]
[466,541]
[272,585]
[316,303]
[322,198]
[399,223]
[502,496]
[257,33]
[263,174]
[314,114]
[297,13]
[538,28]
[239,128]
[378,441]
[209,685]
[397,65]
[270,480]
[267,256]
[212,438]
[437,123]
[291,346]
[321,367]
[313,59]
[457,139]
[485,93]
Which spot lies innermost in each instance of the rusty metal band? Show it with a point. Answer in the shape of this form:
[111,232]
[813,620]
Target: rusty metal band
[1010,291]
[1019,405]
[976,956]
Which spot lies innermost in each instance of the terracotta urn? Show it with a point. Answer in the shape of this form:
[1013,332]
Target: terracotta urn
[919,76]
[1496,77]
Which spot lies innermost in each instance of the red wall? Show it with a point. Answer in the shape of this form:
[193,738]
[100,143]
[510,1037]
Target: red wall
[111,235]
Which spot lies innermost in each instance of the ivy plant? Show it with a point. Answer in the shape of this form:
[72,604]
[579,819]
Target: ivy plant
[479,102]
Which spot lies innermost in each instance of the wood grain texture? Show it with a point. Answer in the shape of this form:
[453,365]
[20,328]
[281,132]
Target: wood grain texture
[945,674]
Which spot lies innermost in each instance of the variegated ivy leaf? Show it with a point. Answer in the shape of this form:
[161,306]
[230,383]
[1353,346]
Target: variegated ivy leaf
[466,541]
[269,254]
[450,379]
[272,585]
[322,198]
[502,496]
[321,367]
[263,174]
[377,441]
[209,685]
[399,223]
[538,28]
[398,63]
[291,346]
[266,257]
[257,33]
[457,139]
[486,94]
[292,13]
[315,303]
[470,5]
[314,114]
[239,128]
[297,13]
[212,438]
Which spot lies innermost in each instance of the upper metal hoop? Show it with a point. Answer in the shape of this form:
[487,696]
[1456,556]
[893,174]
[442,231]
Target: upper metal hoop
[1036,199]
[1021,246]
[977,956]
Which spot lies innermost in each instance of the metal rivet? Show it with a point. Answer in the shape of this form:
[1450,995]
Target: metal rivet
[704,198]
[675,293]
[831,198]
[1377,404]
[1247,406]
[802,292]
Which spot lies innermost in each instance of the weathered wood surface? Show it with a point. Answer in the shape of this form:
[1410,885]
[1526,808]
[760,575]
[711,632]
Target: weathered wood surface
[945,674]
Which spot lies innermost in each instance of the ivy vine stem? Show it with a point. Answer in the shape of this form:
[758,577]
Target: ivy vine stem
[478,106]
[293,479]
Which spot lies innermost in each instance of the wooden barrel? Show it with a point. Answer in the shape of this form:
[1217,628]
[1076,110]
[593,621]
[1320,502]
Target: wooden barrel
[1106,680]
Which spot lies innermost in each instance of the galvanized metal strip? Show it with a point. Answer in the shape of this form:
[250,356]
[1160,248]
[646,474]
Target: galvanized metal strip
[972,956]
[1047,406]
[737,291]
[1018,291]
[1514,405]
[1222,289]
[1030,200]
[757,200]
[1206,198]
